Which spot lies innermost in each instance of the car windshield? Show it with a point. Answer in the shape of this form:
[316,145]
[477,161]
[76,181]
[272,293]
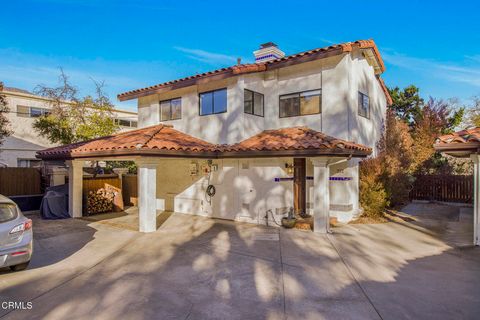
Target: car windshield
[7,212]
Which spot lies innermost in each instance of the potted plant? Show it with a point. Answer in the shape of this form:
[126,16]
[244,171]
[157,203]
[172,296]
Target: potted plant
[289,221]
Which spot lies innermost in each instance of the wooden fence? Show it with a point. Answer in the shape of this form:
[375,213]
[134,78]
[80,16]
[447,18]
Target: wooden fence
[448,188]
[20,181]
[130,189]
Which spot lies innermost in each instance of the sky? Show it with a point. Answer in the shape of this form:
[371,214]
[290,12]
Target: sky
[434,45]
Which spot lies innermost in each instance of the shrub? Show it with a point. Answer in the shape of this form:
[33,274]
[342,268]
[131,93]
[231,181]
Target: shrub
[373,197]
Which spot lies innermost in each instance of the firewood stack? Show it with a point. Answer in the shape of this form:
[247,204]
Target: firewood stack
[99,201]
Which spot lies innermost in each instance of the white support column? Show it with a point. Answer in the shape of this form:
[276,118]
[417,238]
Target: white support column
[147,195]
[321,195]
[355,185]
[476,198]
[75,186]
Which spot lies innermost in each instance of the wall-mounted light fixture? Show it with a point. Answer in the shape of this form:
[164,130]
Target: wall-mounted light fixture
[289,168]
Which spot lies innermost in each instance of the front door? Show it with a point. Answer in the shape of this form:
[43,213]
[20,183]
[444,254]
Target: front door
[299,186]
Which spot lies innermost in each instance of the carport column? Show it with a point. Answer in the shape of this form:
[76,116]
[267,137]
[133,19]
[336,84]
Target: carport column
[147,195]
[75,186]
[321,195]
[476,198]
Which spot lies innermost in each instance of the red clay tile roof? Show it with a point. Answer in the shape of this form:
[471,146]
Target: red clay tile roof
[164,141]
[385,91]
[461,140]
[158,137]
[223,73]
[296,138]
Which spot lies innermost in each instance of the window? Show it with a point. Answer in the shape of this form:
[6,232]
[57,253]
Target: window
[301,104]
[126,123]
[363,105]
[30,112]
[171,109]
[253,102]
[36,112]
[213,102]
[23,111]
[28,163]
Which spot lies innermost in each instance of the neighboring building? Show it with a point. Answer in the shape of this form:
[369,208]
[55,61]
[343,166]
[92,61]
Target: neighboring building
[268,136]
[19,149]
[466,144]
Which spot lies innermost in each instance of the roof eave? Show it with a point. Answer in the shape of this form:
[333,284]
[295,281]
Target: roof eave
[458,149]
[164,153]
[369,48]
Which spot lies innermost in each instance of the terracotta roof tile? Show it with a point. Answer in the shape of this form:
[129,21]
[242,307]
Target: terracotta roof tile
[460,137]
[164,140]
[296,138]
[159,137]
[317,53]
[385,91]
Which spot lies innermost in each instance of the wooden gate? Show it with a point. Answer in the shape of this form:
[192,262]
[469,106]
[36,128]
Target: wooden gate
[447,188]
[20,181]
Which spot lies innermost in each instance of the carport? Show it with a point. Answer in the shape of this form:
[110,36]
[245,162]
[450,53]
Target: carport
[466,144]
[149,146]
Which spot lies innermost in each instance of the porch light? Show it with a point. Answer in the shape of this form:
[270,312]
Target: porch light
[289,168]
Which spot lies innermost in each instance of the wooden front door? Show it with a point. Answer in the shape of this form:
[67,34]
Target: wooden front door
[299,186]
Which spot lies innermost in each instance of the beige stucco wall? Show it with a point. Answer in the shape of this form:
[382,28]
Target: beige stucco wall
[246,189]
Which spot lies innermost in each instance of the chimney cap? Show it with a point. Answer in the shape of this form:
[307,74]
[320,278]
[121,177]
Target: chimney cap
[267,45]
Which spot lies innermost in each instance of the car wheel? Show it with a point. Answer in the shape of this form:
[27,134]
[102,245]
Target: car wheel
[20,267]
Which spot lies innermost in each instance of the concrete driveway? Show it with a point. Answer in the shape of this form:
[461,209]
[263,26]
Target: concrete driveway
[198,268]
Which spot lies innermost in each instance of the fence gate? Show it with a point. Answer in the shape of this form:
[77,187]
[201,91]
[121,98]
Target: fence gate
[20,181]
[447,188]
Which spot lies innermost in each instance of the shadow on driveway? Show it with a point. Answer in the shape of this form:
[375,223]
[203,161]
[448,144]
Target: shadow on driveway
[200,268]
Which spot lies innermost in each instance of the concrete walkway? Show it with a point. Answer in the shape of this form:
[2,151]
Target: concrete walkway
[198,268]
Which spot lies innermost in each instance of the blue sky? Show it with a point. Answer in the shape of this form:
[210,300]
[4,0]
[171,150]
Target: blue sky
[132,44]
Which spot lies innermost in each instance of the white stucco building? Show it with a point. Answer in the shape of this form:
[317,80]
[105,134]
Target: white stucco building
[285,131]
[19,149]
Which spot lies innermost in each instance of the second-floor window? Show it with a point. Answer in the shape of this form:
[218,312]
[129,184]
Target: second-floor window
[171,109]
[301,103]
[363,105]
[253,102]
[30,112]
[213,102]
[126,123]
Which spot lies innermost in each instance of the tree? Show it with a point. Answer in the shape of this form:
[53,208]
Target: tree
[397,156]
[436,118]
[407,103]
[74,119]
[406,149]
[473,115]
[4,122]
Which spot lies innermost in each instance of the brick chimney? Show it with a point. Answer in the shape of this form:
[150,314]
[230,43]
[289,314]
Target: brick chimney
[267,52]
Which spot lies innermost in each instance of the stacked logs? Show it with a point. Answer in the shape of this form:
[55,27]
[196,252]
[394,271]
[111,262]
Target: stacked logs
[99,201]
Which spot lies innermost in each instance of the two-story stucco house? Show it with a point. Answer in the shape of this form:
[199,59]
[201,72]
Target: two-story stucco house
[250,141]
[18,150]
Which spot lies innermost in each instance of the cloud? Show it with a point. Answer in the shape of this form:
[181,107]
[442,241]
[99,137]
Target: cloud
[206,56]
[467,72]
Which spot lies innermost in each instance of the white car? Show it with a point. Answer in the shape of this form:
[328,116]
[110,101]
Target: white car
[16,236]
